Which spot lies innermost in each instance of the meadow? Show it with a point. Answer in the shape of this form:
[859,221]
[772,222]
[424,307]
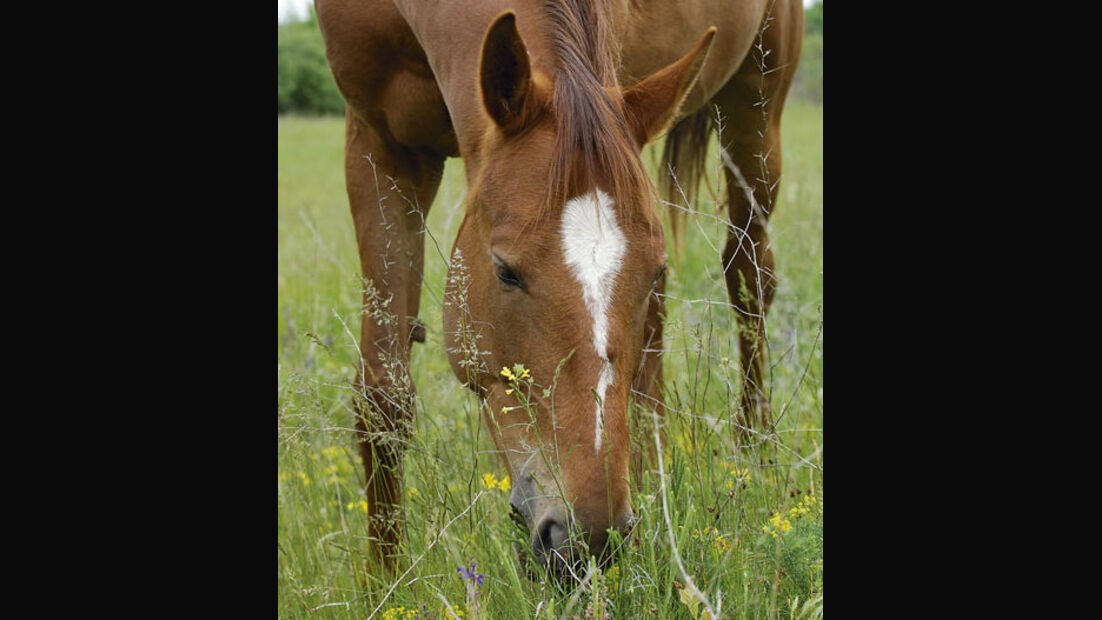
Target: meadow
[730,527]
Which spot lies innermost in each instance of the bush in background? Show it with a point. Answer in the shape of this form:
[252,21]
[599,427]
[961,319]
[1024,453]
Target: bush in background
[305,85]
[808,85]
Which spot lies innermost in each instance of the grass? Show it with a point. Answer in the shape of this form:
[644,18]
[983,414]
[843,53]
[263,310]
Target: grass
[724,501]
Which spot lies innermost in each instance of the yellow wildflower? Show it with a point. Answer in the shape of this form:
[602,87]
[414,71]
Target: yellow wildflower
[613,575]
[721,544]
[413,492]
[362,504]
[778,524]
[741,475]
[508,374]
[612,582]
[305,478]
[490,481]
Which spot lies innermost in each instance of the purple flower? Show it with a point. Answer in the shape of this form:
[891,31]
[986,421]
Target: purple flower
[471,574]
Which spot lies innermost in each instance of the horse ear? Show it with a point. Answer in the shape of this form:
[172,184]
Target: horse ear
[504,74]
[651,104]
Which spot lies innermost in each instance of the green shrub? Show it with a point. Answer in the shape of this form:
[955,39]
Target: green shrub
[808,84]
[305,85]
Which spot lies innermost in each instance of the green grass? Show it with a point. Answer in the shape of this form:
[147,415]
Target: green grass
[716,517]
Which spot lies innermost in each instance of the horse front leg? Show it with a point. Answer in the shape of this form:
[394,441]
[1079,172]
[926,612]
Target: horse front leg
[390,189]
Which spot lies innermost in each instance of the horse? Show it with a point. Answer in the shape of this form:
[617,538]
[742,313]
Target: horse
[558,270]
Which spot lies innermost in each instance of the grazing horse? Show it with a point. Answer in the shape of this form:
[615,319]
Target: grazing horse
[559,261]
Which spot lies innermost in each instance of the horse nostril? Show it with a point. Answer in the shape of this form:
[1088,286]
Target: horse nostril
[550,536]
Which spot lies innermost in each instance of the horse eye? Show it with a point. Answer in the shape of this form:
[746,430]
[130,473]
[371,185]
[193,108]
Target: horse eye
[506,275]
[661,272]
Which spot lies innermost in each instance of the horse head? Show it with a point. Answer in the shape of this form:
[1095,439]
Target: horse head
[559,256]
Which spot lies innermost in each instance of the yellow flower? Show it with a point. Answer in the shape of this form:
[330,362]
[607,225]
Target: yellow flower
[491,482]
[508,391]
[740,474]
[508,374]
[362,504]
[305,478]
[721,544]
[413,492]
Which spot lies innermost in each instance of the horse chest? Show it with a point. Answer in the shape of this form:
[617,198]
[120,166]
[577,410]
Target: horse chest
[416,114]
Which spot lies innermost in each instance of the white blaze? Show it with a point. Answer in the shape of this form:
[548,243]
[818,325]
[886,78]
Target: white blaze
[594,247]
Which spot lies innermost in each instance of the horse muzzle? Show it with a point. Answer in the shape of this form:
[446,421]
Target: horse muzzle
[562,545]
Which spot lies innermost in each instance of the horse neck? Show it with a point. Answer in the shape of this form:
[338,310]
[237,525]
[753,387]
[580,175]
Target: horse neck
[451,34]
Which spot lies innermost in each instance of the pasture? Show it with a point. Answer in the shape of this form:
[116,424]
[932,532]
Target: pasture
[743,520]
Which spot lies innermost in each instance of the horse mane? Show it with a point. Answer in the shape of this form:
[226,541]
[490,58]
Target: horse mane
[591,129]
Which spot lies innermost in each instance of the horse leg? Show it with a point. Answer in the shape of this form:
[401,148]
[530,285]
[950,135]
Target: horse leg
[390,189]
[752,168]
[647,389]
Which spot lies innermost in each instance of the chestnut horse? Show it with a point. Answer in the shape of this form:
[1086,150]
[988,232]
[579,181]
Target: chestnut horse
[559,261]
